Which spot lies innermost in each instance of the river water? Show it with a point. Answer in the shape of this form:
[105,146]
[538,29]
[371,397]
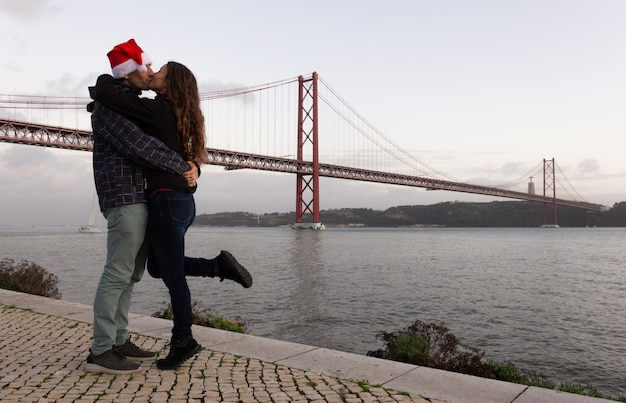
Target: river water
[550,300]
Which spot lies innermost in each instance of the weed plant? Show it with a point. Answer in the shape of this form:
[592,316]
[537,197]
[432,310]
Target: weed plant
[432,345]
[204,317]
[28,277]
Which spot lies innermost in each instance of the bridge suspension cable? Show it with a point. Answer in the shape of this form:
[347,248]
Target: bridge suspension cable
[377,138]
[205,96]
[569,189]
[42,102]
[522,180]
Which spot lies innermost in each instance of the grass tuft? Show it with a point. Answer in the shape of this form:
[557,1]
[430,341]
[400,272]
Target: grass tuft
[204,317]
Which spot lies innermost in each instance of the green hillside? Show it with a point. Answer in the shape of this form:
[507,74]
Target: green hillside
[449,214]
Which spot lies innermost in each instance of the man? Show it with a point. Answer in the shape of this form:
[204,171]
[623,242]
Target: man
[120,150]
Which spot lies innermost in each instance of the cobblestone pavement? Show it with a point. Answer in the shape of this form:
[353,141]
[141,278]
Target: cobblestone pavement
[42,357]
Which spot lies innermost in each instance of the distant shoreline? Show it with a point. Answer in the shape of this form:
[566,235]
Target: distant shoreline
[514,214]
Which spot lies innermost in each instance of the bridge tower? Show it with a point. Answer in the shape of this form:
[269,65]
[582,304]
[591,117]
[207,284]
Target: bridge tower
[549,184]
[307,185]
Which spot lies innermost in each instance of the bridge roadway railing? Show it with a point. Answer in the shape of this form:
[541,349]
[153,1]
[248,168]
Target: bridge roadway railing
[58,137]
[12,131]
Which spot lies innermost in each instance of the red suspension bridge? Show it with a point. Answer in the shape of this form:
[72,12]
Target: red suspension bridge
[299,126]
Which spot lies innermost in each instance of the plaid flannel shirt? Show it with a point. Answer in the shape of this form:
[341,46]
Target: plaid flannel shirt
[120,149]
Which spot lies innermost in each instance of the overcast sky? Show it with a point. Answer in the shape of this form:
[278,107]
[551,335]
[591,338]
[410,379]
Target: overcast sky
[476,89]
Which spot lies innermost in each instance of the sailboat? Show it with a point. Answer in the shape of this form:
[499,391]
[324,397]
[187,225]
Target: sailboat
[92,226]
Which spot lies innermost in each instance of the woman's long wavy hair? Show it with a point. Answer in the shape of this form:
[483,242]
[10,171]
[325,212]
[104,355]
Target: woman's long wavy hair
[182,90]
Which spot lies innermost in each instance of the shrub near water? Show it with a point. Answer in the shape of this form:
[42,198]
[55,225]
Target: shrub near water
[28,277]
[432,345]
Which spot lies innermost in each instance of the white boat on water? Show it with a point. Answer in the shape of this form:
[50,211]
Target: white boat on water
[315,226]
[88,229]
[93,223]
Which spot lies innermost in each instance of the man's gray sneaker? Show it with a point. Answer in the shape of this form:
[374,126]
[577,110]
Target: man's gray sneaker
[134,353]
[231,269]
[110,362]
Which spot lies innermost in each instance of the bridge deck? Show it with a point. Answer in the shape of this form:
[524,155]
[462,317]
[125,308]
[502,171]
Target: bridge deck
[58,137]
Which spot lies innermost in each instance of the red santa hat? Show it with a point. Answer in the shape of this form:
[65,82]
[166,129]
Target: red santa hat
[126,58]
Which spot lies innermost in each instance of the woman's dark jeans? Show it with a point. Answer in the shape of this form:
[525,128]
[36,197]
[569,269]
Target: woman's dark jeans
[171,213]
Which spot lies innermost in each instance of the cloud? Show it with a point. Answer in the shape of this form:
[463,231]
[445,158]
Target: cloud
[588,166]
[69,84]
[28,9]
[216,85]
[514,168]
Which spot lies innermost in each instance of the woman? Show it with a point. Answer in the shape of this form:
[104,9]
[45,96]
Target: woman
[174,117]
[172,206]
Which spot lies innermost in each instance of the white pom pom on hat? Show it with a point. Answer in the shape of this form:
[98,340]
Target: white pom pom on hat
[126,58]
